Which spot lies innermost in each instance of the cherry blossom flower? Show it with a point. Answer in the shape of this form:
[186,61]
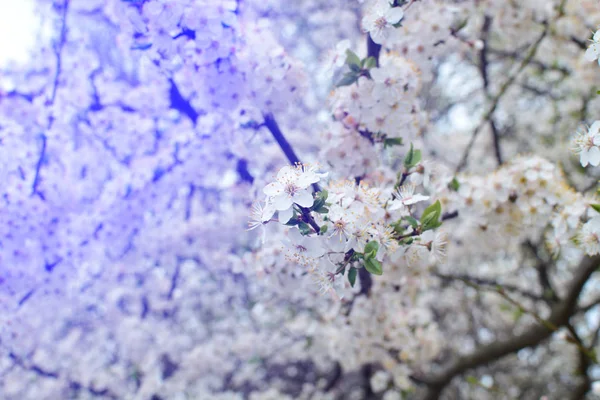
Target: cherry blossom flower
[290,188]
[405,196]
[586,144]
[593,52]
[590,236]
[380,20]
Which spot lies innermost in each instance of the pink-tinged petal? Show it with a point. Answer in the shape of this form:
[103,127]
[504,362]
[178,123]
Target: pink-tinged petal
[286,215]
[591,53]
[303,198]
[273,189]
[282,202]
[594,156]
[394,15]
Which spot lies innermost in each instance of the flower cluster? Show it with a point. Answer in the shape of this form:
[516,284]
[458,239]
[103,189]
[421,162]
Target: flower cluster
[349,225]
[382,103]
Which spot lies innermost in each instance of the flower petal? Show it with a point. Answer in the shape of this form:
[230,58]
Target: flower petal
[394,15]
[594,156]
[591,53]
[303,198]
[286,215]
[273,189]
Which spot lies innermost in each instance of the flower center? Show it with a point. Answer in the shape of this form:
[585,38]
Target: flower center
[381,22]
[300,248]
[291,189]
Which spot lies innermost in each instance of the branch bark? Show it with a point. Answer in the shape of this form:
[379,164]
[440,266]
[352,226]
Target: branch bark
[560,315]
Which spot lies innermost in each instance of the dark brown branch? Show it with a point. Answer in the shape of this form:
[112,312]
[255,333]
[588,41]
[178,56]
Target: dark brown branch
[488,282]
[534,335]
[483,69]
[285,146]
[496,99]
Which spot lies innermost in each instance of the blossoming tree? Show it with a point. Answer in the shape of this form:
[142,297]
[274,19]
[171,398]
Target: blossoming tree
[418,175]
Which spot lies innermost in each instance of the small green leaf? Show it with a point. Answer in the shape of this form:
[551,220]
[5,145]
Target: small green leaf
[472,380]
[323,194]
[595,207]
[348,79]
[454,185]
[369,62]
[352,276]
[323,229]
[431,216]
[304,228]
[371,249]
[412,158]
[389,142]
[373,266]
[412,221]
[352,59]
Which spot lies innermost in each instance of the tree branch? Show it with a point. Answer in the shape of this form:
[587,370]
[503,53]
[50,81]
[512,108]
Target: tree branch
[561,312]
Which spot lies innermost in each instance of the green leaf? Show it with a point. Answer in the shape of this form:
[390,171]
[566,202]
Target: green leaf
[413,222]
[373,266]
[454,185]
[304,228]
[352,276]
[472,380]
[318,203]
[323,229]
[323,194]
[431,216]
[369,62]
[354,68]
[389,142]
[348,79]
[352,59]
[371,249]
[595,207]
[412,158]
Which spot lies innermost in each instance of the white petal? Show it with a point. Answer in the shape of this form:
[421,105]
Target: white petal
[394,15]
[597,36]
[594,156]
[303,198]
[368,22]
[583,158]
[282,202]
[286,173]
[286,215]
[273,189]
[268,212]
[595,128]
[378,35]
[378,74]
[591,53]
